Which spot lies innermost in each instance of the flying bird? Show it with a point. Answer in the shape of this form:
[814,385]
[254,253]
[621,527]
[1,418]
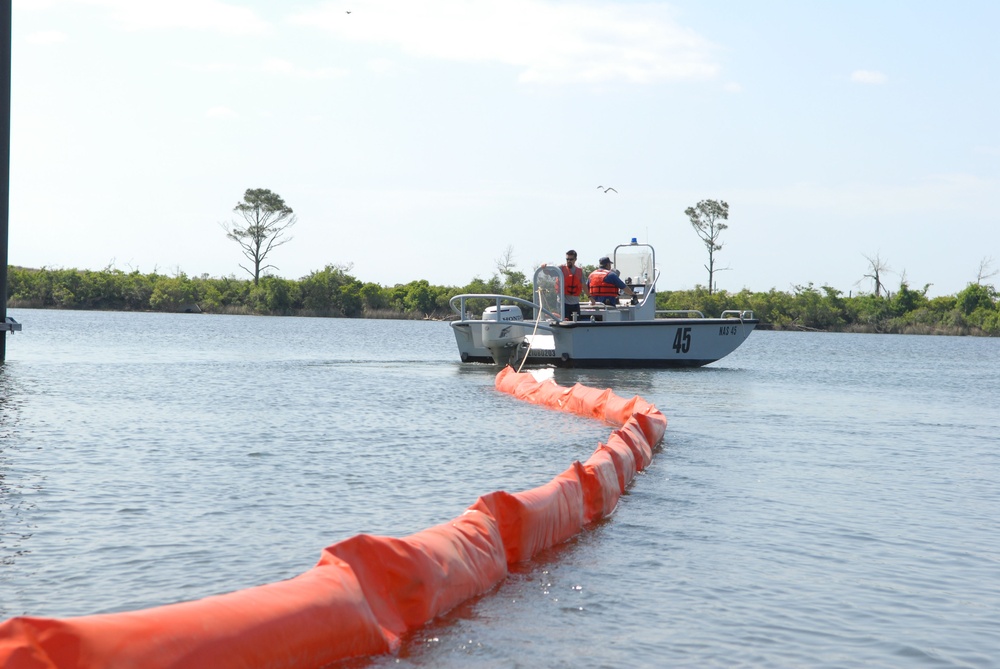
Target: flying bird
[607,189]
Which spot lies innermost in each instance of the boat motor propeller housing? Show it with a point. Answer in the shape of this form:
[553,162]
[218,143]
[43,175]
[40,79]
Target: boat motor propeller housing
[500,336]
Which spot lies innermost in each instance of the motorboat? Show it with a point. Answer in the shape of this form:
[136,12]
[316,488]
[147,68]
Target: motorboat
[504,329]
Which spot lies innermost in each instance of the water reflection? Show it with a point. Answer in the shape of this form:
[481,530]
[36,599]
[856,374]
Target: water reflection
[16,507]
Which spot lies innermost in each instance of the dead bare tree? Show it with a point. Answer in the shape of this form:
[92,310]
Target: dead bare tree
[505,263]
[877,267]
[507,269]
[984,271]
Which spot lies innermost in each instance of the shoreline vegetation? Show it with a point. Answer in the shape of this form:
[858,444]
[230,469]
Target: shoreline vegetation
[333,292]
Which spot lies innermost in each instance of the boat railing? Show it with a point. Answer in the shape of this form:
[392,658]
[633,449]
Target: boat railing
[686,313]
[458,304]
[694,313]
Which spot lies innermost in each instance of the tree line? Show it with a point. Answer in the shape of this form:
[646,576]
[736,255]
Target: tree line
[334,292]
[264,219]
[331,291]
[975,310]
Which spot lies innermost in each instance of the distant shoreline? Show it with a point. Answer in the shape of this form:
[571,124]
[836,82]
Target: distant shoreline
[332,292]
[927,330]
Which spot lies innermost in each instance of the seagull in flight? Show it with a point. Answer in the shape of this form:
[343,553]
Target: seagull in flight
[607,189]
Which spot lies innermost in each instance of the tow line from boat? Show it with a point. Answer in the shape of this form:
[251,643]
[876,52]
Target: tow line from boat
[538,317]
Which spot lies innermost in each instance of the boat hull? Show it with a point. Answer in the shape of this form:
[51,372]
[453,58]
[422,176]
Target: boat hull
[660,343]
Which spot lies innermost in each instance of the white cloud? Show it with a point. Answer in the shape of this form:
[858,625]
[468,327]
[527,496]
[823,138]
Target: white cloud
[211,67]
[549,42]
[275,66]
[32,5]
[46,37]
[382,66]
[202,15]
[868,77]
[220,112]
[283,67]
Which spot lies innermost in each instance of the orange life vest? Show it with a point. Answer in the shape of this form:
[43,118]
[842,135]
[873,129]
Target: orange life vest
[574,280]
[598,288]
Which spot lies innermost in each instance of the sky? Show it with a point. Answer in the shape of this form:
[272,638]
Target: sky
[425,140]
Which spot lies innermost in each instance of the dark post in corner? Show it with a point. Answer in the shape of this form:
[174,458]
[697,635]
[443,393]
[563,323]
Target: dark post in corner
[6,324]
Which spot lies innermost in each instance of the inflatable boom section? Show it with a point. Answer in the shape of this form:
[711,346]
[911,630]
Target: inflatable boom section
[366,592]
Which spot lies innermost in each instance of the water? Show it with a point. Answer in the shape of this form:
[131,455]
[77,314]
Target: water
[821,500]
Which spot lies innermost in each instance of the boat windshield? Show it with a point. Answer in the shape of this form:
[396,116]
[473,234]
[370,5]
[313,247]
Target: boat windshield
[548,285]
[635,262]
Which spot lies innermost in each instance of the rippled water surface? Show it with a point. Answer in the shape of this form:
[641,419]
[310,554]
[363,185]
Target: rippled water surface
[820,500]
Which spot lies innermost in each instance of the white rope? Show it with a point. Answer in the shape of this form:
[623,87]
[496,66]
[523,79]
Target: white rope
[537,319]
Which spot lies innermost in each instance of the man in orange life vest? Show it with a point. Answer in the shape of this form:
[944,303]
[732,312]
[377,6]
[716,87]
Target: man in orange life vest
[604,284]
[572,285]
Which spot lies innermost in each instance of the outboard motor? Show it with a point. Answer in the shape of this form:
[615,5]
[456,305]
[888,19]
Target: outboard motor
[502,336]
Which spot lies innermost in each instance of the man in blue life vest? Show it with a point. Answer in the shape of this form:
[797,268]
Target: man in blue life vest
[604,284]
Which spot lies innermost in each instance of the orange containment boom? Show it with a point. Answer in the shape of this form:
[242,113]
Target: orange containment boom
[366,592]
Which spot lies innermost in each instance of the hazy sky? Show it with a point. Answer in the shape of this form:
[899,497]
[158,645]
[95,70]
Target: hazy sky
[418,140]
